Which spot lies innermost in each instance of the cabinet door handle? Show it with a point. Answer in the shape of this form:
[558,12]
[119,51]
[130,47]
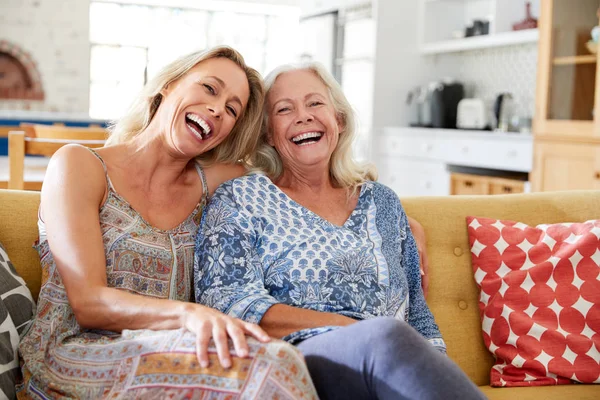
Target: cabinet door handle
[468,183]
[597,175]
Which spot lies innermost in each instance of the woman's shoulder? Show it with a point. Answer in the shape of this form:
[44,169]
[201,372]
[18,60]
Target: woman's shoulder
[217,174]
[383,193]
[78,165]
[247,188]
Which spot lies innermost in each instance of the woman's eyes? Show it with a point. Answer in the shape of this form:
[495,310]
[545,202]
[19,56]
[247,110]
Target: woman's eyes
[311,104]
[212,91]
[232,111]
[210,88]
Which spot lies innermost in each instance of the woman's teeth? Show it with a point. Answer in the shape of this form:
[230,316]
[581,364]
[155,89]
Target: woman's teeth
[199,126]
[307,138]
[193,129]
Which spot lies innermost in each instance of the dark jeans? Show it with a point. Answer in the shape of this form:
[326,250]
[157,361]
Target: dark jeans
[383,358]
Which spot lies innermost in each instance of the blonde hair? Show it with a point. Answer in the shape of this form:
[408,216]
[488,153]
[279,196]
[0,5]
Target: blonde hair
[243,138]
[344,170]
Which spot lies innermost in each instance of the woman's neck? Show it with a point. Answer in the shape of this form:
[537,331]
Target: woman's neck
[307,181]
[151,162]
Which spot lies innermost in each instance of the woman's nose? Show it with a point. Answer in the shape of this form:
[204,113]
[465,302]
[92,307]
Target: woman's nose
[215,110]
[303,117]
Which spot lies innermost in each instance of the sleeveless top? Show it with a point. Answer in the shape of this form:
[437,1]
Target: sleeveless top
[140,259]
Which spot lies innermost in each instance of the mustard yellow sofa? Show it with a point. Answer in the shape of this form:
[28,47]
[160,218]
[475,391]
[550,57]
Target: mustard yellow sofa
[453,295]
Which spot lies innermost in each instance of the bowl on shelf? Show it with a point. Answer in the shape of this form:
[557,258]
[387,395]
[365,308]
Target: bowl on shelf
[592,46]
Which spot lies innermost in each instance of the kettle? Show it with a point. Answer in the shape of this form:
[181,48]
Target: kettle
[503,111]
[413,100]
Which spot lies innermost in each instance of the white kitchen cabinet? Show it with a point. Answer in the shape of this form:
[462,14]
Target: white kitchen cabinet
[414,177]
[417,161]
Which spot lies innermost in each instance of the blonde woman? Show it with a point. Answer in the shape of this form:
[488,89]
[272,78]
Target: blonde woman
[326,259]
[117,230]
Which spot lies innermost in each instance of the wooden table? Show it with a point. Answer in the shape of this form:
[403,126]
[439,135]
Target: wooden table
[35,169]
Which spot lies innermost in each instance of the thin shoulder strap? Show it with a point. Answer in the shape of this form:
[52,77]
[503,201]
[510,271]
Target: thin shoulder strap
[108,182]
[204,183]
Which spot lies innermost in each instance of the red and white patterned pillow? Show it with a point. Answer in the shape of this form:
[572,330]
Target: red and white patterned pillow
[539,300]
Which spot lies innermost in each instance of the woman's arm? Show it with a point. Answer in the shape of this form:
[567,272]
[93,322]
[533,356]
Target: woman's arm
[229,275]
[420,238]
[419,314]
[73,190]
[281,320]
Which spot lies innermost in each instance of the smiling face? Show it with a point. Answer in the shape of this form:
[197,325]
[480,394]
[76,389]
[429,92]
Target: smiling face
[199,110]
[303,126]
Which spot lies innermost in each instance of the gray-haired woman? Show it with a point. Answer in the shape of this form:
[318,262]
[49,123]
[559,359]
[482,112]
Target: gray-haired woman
[117,231]
[319,254]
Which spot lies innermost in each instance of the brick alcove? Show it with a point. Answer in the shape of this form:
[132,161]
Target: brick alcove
[19,76]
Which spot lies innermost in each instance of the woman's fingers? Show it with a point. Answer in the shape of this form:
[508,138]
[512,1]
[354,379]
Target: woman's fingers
[202,339]
[256,331]
[239,339]
[221,343]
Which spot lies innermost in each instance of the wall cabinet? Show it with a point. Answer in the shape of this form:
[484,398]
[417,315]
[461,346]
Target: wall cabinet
[566,77]
[567,120]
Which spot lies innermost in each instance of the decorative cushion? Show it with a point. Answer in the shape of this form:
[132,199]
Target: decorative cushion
[17,309]
[539,300]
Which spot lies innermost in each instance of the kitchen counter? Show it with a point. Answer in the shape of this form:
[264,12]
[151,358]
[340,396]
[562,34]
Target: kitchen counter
[419,161]
[457,133]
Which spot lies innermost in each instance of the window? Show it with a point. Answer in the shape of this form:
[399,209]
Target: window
[131,42]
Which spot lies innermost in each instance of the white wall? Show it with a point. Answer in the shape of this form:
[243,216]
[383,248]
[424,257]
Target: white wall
[398,65]
[56,35]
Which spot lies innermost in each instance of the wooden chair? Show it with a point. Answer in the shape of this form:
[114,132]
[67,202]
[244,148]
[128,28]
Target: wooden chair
[45,140]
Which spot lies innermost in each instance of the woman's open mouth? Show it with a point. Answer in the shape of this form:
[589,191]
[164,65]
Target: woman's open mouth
[307,138]
[199,127]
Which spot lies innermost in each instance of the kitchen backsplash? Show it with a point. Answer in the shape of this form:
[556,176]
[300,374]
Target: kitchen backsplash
[488,72]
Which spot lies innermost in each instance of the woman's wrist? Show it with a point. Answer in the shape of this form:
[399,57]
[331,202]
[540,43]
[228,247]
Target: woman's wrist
[185,310]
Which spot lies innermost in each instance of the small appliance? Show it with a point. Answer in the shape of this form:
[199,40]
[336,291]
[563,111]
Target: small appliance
[472,114]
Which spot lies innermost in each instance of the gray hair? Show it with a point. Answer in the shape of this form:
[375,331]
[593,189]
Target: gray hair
[344,170]
[242,140]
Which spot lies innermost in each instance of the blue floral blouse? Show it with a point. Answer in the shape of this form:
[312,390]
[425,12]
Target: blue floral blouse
[257,247]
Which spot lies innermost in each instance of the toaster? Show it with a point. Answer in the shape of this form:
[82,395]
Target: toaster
[471,114]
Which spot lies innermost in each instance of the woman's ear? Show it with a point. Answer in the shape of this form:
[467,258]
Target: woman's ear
[270,137]
[165,90]
[341,121]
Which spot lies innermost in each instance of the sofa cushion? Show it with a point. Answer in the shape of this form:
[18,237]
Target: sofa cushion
[539,300]
[19,231]
[579,392]
[17,309]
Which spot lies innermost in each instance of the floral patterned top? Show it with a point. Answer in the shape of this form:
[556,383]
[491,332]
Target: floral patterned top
[257,247]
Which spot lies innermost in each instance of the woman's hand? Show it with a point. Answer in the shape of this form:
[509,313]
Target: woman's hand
[420,238]
[206,322]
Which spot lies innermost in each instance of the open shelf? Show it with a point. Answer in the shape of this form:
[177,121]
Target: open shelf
[481,42]
[588,59]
